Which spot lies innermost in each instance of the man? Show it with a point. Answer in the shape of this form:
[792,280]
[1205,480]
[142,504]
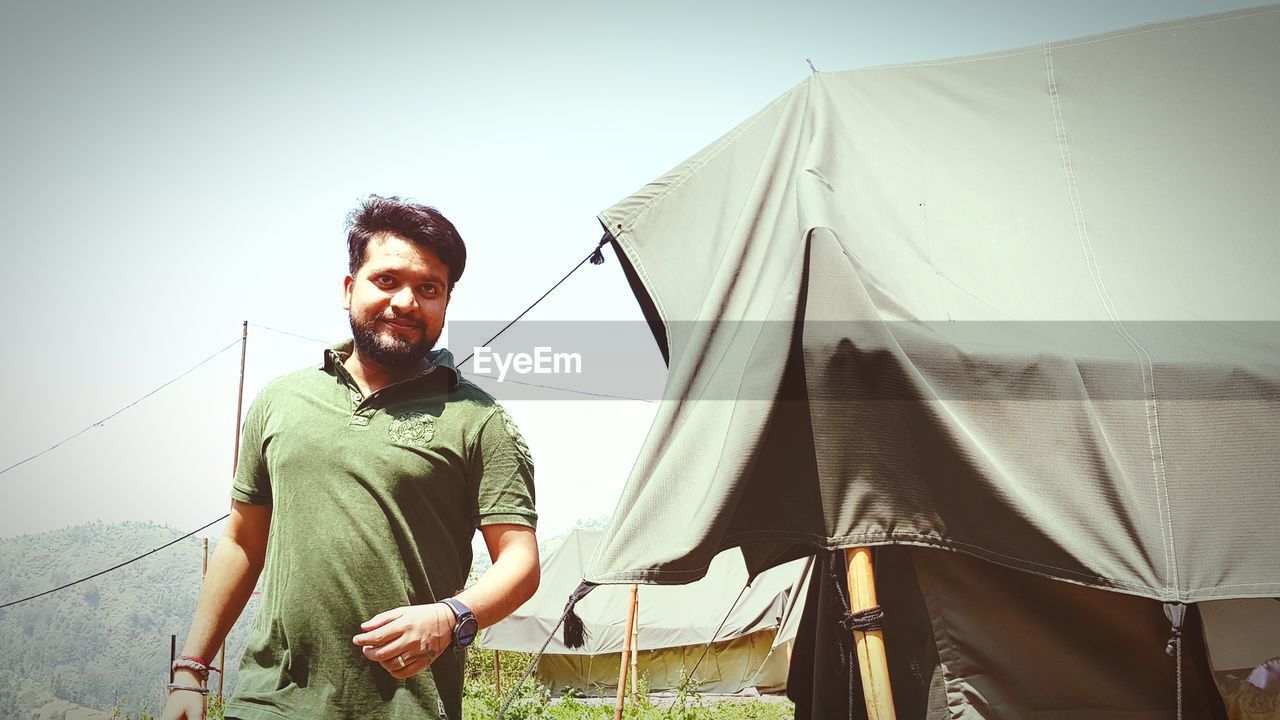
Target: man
[359,486]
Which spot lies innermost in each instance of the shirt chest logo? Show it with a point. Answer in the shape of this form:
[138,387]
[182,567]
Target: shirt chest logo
[412,428]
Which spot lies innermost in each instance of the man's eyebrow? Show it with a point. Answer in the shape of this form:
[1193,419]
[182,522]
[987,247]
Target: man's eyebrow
[399,271]
[434,276]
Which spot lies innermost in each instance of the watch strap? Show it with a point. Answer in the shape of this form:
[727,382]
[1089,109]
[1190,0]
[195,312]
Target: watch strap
[466,627]
[459,609]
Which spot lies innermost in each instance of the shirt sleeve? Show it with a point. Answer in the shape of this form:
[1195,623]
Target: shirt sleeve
[505,481]
[252,483]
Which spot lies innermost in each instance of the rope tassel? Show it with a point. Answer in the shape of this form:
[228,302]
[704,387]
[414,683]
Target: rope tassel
[575,631]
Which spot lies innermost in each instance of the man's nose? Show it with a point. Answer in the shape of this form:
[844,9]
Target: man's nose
[404,299]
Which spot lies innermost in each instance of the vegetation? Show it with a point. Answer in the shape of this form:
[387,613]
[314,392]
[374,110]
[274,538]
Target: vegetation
[534,702]
[104,644]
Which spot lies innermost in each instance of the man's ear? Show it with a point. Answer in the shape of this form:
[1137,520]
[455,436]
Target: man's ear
[347,282]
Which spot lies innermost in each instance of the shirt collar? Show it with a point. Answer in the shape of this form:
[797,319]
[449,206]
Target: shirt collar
[440,358]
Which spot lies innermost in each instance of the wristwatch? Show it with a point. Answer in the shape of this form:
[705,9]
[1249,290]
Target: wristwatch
[464,633]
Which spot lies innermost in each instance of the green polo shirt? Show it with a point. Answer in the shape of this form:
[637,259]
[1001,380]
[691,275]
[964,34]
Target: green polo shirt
[374,504]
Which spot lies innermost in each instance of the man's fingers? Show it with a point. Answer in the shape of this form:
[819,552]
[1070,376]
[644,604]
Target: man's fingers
[412,666]
[388,652]
[381,619]
[393,629]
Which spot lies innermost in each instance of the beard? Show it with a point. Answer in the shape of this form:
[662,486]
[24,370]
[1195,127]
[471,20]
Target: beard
[388,350]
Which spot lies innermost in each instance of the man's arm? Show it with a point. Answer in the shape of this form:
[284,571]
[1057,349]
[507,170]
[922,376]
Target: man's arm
[420,633]
[233,571]
[512,579]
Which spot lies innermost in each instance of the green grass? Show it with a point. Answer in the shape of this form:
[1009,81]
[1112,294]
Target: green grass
[481,701]
[534,702]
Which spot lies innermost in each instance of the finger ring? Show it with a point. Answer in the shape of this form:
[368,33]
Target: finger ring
[400,662]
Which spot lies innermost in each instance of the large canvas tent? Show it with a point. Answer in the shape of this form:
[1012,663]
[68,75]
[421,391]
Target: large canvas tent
[1021,307]
[702,631]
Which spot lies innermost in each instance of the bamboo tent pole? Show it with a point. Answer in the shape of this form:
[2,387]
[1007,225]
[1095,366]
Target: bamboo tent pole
[497,673]
[235,460]
[872,661]
[635,644]
[626,654]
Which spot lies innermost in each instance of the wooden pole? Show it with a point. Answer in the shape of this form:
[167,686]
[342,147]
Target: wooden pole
[635,641]
[497,673]
[872,661]
[626,654]
[235,460]
[173,654]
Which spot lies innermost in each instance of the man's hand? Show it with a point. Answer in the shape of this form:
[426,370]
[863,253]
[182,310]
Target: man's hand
[406,640]
[184,704]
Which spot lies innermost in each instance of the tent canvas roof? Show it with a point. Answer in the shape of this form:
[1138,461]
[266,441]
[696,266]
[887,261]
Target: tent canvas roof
[1019,305]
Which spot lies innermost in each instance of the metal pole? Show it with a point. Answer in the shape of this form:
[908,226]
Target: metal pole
[173,654]
[235,460]
[244,341]
[626,654]
[872,660]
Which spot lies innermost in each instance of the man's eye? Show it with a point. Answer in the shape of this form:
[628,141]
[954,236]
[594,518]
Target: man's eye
[430,289]
[383,280]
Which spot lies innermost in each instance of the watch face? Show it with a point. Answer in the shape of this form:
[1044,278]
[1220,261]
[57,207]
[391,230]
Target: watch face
[466,631]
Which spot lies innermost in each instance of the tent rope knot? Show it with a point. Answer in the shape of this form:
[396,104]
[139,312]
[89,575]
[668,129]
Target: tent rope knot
[863,620]
[1175,638]
[597,257]
[575,631]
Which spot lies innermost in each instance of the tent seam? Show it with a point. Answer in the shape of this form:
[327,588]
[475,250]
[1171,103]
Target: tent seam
[915,539]
[1145,365]
[969,548]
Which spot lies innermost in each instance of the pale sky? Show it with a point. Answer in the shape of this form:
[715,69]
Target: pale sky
[170,169]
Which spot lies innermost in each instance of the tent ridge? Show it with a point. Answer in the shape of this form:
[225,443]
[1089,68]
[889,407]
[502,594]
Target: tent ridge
[1185,22]
[1144,29]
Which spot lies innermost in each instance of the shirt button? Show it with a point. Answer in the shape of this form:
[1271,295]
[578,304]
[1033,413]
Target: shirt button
[357,397]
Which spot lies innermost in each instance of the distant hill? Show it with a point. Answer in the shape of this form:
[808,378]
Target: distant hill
[109,637]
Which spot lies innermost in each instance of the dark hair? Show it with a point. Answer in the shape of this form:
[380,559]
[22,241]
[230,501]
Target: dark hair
[419,224]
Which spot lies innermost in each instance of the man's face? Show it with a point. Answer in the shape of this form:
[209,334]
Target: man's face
[397,301]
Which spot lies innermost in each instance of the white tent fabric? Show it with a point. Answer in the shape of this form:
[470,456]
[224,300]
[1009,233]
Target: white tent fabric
[669,616]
